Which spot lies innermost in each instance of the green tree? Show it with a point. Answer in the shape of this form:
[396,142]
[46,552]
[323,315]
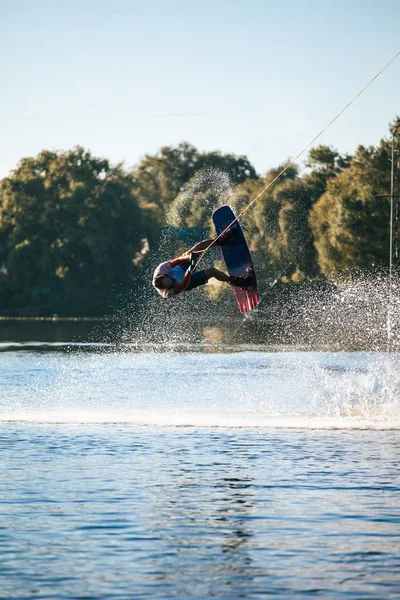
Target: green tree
[160,178]
[349,222]
[324,163]
[277,225]
[70,232]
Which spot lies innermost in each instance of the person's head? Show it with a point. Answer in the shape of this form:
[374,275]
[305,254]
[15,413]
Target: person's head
[163,282]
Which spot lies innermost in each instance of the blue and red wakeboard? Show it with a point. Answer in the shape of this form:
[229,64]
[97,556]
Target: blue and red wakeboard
[237,258]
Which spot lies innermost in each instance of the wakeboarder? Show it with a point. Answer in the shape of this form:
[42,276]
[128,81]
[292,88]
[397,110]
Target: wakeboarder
[176,275]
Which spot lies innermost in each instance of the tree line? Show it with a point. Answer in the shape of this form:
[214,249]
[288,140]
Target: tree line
[77,233]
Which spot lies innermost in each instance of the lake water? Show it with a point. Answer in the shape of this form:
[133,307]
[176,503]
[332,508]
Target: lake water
[241,472]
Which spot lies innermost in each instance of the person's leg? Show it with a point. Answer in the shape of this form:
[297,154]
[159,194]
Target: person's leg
[200,246]
[220,275]
[243,282]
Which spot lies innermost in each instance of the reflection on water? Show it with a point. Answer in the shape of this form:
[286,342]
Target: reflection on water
[213,335]
[114,334]
[48,330]
[109,335]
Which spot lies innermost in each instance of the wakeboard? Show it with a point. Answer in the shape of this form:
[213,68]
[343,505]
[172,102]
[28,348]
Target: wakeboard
[237,258]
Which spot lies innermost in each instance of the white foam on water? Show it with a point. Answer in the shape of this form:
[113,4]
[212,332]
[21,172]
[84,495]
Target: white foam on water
[302,390]
[200,420]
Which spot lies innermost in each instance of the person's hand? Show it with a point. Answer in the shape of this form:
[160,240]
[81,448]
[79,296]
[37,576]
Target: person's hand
[193,262]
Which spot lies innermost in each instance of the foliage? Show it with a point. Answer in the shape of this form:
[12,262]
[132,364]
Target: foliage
[70,228]
[277,225]
[75,231]
[350,221]
[324,163]
[159,179]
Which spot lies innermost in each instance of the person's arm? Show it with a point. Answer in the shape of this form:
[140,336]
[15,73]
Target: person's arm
[183,284]
[197,249]
[177,261]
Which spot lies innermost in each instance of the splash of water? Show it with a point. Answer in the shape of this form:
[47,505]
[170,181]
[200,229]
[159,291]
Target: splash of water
[168,325]
[325,391]
[348,314]
[304,390]
[203,194]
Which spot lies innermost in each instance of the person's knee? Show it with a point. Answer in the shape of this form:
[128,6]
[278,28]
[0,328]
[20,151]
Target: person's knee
[210,272]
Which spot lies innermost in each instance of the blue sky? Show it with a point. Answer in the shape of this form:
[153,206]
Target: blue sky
[253,77]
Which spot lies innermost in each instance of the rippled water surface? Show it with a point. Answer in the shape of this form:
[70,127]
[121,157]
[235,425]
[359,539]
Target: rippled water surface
[192,475]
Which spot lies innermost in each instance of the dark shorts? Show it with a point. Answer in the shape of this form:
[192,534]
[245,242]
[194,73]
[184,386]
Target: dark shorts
[198,278]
